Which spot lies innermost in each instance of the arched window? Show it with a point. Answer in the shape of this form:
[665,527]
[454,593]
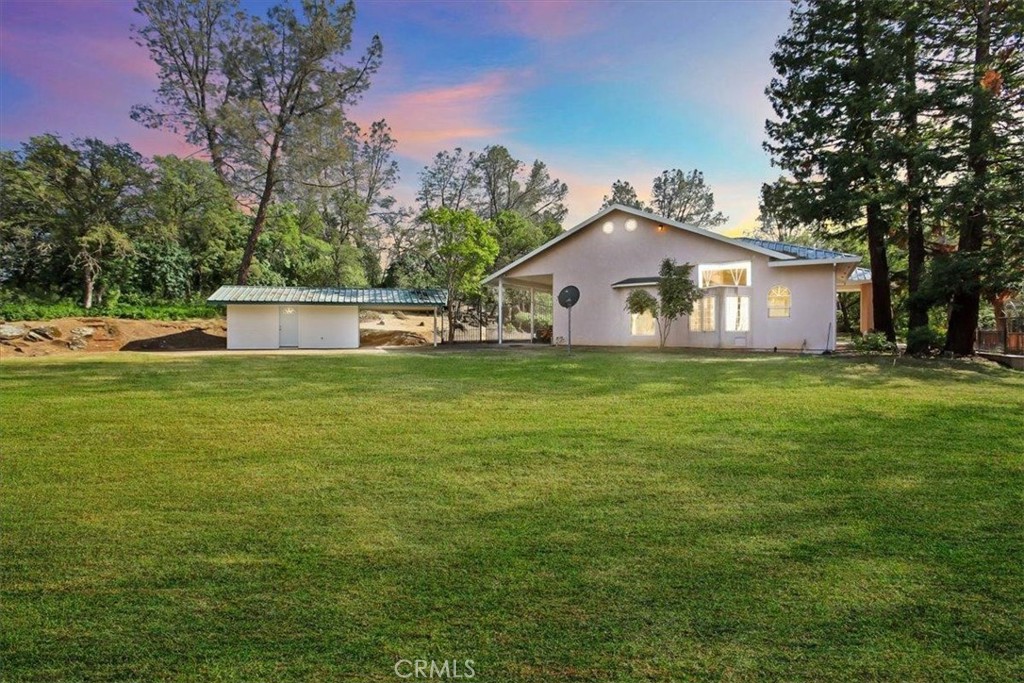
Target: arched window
[779,302]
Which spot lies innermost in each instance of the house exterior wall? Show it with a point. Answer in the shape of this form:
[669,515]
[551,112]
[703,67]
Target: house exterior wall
[328,327]
[256,326]
[253,326]
[593,260]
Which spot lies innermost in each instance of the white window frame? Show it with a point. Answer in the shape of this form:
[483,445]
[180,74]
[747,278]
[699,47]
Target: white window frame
[635,318]
[737,313]
[705,268]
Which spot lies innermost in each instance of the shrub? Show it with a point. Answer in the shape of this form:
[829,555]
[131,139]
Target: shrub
[924,340]
[874,342]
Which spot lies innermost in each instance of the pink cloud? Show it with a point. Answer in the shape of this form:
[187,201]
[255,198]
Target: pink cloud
[428,120]
[83,73]
[549,19]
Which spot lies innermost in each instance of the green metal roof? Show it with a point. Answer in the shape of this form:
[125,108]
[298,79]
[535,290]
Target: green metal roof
[798,250]
[367,298]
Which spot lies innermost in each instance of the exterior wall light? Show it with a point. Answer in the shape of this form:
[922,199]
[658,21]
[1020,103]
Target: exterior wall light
[631,225]
[608,227]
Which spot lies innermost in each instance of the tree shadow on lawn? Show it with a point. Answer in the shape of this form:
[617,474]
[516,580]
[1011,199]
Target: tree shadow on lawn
[188,340]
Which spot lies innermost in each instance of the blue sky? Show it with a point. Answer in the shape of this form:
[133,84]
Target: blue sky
[597,90]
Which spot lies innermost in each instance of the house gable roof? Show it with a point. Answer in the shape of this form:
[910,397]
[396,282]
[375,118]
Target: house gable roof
[648,216]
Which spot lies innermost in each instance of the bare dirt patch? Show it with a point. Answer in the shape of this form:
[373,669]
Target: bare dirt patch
[112,334]
[378,328]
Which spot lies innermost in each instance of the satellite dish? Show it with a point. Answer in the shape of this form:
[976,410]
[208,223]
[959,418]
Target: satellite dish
[569,296]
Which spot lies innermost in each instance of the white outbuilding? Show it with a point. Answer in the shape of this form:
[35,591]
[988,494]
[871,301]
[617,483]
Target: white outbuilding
[312,317]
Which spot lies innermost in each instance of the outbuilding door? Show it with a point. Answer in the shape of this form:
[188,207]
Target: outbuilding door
[288,327]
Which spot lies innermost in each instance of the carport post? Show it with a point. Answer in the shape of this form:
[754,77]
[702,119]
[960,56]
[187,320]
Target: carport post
[501,310]
[435,326]
[533,296]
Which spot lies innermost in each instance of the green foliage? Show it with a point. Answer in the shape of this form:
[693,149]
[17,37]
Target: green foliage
[874,342]
[190,206]
[676,195]
[516,236]
[686,198]
[22,308]
[924,340]
[677,293]
[288,90]
[460,250]
[625,194]
[641,301]
[901,124]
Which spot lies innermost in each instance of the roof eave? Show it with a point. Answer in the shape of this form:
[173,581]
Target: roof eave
[814,262]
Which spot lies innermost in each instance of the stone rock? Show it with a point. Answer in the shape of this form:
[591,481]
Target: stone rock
[33,336]
[77,343]
[381,322]
[83,331]
[47,331]
[9,332]
[422,324]
[400,315]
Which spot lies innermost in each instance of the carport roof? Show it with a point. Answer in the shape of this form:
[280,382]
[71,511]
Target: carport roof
[367,298]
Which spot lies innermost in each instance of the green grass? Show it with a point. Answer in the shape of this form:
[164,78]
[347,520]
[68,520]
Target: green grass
[605,517]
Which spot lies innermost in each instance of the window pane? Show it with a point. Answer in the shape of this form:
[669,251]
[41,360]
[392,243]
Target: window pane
[703,317]
[737,314]
[695,316]
[779,302]
[709,314]
[643,324]
[725,274]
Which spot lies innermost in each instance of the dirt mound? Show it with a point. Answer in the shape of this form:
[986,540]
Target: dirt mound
[111,334]
[390,338]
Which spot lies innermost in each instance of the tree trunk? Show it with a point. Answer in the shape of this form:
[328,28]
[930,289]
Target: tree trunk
[451,321]
[966,302]
[917,308]
[216,150]
[88,282]
[261,213]
[877,223]
[881,294]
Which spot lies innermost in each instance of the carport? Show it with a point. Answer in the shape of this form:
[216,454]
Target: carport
[312,317]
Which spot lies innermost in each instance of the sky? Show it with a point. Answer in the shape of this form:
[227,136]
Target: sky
[599,91]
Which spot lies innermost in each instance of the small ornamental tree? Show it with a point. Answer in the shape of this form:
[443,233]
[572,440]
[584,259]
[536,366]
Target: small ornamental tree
[677,293]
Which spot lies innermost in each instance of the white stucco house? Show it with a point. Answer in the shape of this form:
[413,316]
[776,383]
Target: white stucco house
[758,294]
[312,317]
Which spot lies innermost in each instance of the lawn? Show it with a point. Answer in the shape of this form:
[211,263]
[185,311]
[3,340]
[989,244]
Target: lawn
[604,517]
